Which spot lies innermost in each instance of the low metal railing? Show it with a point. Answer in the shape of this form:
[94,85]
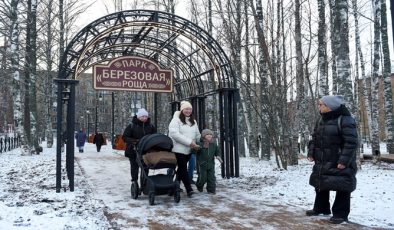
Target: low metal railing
[9,143]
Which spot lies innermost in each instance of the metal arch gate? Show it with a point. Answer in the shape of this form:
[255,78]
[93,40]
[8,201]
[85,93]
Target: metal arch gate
[200,66]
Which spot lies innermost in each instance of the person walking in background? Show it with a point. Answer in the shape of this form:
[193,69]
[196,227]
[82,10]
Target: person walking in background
[206,162]
[98,140]
[184,132]
[80,138]
[140,126]
[333,149]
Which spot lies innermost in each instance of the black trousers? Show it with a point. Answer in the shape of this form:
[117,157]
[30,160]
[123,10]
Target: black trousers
[98,148]
[340,208]
[134,167]
[182,174]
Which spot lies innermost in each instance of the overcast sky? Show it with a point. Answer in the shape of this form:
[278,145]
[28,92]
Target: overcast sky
[100,8]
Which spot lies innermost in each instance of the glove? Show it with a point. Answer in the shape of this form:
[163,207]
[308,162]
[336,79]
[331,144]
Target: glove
[219,159]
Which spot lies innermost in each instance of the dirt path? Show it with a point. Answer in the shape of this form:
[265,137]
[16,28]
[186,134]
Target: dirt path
[109,178]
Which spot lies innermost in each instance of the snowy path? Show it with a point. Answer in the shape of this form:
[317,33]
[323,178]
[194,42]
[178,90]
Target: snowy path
[108,175]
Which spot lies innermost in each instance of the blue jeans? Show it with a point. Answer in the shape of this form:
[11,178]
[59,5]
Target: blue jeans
[191,166]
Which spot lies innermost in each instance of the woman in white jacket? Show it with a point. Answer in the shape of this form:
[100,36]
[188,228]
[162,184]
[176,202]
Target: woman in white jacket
[183,130]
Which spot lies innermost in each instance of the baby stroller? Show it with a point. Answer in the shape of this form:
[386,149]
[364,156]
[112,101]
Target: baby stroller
[154,152]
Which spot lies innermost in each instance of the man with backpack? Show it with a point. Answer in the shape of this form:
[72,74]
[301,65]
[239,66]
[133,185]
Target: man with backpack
[333,149]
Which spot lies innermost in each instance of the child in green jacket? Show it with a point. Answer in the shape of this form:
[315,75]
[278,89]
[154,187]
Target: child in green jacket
[206,162]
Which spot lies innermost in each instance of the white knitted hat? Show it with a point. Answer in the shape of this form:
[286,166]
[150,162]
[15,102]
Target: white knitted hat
[184,105]
[142,112]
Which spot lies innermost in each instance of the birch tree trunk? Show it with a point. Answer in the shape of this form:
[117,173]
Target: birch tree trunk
[334,44]
[286,118]
[48,60]
[61,29]
[375,81]
[27,83]
[252,130]
[17,83]
[264,65]
[235,36]
[214,112]
[300,96]
[322,50]
[343,61]
[304,130]
[33,73]
[388,102]
[30,74]
[362,92]
[358,84]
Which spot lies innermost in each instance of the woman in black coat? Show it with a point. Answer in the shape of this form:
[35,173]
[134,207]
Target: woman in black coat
[139,127]
[333,149]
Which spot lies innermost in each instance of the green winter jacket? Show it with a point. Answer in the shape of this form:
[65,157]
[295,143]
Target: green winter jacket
[206,156]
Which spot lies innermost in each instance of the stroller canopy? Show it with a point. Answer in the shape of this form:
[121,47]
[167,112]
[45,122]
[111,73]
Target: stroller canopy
[156,141]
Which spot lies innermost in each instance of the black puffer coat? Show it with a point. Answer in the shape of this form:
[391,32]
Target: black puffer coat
[134,132]
[330,146]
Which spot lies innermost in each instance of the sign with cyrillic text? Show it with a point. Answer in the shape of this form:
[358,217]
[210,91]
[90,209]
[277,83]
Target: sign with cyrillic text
[131,73]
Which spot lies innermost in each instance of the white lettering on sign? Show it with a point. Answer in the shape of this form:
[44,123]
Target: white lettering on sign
[134,63]
[134,84]
[133,75]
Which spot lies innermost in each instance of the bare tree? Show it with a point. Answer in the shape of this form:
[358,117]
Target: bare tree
[362,89]
[375,80]
[343,61]
[252,135]
[264,69]
[300,98]
[17,82]
[47,52]
[334,44]
[30,113]
[322,50]
[389,122]
[7,110]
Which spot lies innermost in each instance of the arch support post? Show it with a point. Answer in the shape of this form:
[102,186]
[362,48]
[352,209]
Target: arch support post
[228,133]
[65,95]
[199,110]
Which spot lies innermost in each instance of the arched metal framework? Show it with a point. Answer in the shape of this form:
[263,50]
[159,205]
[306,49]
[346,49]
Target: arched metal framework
[201,67]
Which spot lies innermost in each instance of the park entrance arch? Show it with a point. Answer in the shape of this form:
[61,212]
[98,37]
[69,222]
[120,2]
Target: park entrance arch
[200,68]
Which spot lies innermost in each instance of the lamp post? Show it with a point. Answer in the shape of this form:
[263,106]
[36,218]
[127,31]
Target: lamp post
[112,113]
[88,115]
[96,114]
[82,122]
[113,118]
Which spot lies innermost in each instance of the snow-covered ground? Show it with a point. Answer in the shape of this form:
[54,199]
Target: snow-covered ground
[28,199]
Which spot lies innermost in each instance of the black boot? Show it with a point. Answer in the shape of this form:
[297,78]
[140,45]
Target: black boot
[338,220]
[135,189]
[190,193]
[314,213]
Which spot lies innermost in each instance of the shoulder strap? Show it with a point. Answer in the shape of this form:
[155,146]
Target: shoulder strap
[318,122]
[339,123]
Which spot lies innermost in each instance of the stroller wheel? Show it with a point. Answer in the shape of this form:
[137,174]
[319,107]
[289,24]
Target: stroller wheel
[151,198]
[134,190]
